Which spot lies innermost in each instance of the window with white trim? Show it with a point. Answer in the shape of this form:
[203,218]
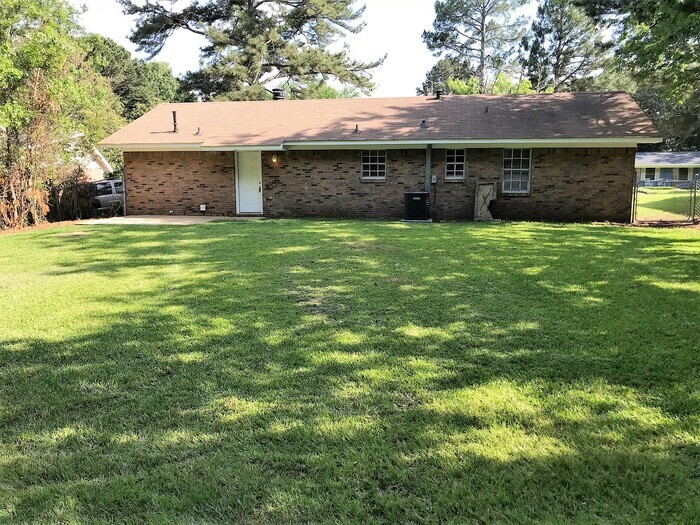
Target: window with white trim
[516,171]
[374,165]
[455,164]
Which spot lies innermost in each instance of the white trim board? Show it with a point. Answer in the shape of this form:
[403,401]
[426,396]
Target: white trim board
[476,143]
[626,142]
[650,165]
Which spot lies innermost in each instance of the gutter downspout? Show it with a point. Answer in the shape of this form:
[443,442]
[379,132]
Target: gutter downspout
[428,166]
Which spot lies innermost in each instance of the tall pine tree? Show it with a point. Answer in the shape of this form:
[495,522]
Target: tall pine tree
[482,35]
[565,46]
[255,45]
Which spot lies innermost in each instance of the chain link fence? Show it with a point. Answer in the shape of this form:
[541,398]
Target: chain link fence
[667,201]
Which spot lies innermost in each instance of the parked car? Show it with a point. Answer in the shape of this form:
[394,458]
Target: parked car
[109,197]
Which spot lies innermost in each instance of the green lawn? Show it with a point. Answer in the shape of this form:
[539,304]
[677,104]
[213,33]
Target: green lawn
[663,204]
[366,372]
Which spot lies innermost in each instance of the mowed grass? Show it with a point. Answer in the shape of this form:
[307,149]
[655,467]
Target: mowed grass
[350,372]
[663,204]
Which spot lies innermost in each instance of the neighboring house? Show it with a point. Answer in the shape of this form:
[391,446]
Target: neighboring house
[94,165]
[662,169]
[566,156]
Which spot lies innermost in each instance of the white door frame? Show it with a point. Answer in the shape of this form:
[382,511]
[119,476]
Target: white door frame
[238,185]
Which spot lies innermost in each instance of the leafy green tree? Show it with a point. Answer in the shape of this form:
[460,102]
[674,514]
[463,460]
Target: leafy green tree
[318,89]
[49,96]
[480,34]
[610,77]
[254,44]
[678,125]
[503,85]
[565,46]
[439,75]
[140,85]
[657,42]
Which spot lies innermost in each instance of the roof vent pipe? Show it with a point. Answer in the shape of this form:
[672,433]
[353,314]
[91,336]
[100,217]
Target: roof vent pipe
[423,124]
[278,94]
[357,129]
[439,93]
[486,110]
[174,121]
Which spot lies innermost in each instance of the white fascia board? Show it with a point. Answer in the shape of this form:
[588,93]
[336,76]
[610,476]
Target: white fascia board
[187,147]
[665,165]
[243,148]
[628,142]
[102,161]
[153,147]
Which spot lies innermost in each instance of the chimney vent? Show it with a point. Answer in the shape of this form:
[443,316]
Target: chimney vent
[439,93]
[174,121]
[278,94]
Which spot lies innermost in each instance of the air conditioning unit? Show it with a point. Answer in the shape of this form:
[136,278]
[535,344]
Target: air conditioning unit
[417,206]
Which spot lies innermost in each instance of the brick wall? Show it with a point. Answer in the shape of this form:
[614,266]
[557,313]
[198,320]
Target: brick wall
[157,182]
[329,183]
[566,184]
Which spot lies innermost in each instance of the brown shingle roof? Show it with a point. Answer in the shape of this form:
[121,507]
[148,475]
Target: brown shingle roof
[272,123]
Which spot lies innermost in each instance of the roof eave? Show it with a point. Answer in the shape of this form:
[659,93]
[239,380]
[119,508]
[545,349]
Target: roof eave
[595,142]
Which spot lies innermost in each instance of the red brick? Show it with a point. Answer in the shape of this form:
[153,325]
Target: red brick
[566,184]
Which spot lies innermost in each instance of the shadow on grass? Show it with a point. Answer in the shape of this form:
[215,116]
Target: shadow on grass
[300,371]
[664,203]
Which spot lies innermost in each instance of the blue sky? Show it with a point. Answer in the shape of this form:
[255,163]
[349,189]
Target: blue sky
[393,27]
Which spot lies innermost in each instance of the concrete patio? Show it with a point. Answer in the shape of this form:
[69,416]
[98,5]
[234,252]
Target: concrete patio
[162,220]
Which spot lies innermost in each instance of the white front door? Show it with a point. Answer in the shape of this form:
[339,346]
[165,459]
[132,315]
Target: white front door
[249,186]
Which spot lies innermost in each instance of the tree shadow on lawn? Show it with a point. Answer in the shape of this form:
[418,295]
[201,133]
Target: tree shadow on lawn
[672,202]
[352,371]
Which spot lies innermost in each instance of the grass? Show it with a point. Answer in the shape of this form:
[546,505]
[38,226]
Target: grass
[663,204]
[350,372]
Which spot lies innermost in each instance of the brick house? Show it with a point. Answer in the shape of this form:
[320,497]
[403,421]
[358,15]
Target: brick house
[667,168]
[562,157]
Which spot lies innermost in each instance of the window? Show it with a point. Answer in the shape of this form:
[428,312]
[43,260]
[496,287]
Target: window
[516,171]
[118,186]
[650,173]
[374,165]
[103,188]
[682,173]
[454,164]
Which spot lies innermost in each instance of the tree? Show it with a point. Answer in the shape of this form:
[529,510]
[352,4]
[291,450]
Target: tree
[678,126]
[49,96]
[318,89]
[482,35]
[439,75]
[255,44]
[658,44]
[565,46]
[140,85]
[503,85]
